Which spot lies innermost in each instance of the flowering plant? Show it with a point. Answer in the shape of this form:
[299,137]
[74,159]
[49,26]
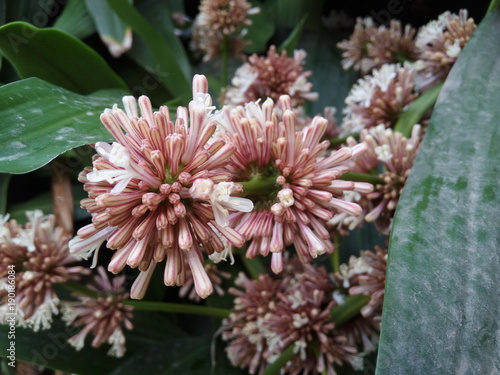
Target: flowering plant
[253,187]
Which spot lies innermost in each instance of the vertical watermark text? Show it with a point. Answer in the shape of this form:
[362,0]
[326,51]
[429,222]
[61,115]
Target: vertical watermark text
[11,315]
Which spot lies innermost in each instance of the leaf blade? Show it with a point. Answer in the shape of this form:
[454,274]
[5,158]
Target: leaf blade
[168,57]
[71,64]
[439,317]
[41,121]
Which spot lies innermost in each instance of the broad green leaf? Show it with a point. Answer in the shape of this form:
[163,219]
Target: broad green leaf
[416,110]
[41,121]
[289,12]
[166,57]
[261,29]
[328,77]
[37,13]
[115,34]
[75,20]
[56,57]
[291,42]
[441,310]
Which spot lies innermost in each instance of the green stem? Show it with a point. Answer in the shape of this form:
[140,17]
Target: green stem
[153,306]
[275,367]
[335,256]
[178,308]
[349,309]
[259,185]
[416,110]
[254,266]
[81,289]
[334,142]
[362,177]
[493,4]
[225,61]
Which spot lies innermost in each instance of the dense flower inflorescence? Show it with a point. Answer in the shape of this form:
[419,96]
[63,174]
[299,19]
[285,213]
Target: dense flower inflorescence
[370,47]
[396,154]
[271,315]
[37,254]
[372,281]
[161,192]
[219,25]
[439,43]
[379,98]
[103,316]
[244,327]
[294,186]
[270,77]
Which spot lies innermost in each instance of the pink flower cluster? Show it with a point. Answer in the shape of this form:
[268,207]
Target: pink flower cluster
[169,191]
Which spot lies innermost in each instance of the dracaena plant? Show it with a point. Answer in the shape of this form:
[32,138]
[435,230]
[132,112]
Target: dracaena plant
[248,187]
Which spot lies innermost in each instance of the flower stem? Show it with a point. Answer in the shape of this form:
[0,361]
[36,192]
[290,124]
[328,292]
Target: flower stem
[178,308]
[153,306]
[362,177]
[416,110]
[493,4]
[81,289]
[225,60]
[339,141]
[259,185]
[349,309]
[275,367]
[335,256]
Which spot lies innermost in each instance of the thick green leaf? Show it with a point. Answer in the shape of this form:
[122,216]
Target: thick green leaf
[37,13]
[416,110]
[113,32]
[289,12]
[441,310]
[291,42]
[328,77]
[75,20]
[41,121]
[56,57]
[164,54]
[261,29]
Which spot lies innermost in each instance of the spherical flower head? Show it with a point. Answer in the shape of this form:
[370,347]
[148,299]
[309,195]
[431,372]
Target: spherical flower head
[379,98]
[355,50]
[272,314]
[396,154]
[270,77]
[439,43]
[371,282]
[243,328]
[37,255]
[221,24]
[301,318]
[161,191]
[287,175]
[370,47]
[104,317]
